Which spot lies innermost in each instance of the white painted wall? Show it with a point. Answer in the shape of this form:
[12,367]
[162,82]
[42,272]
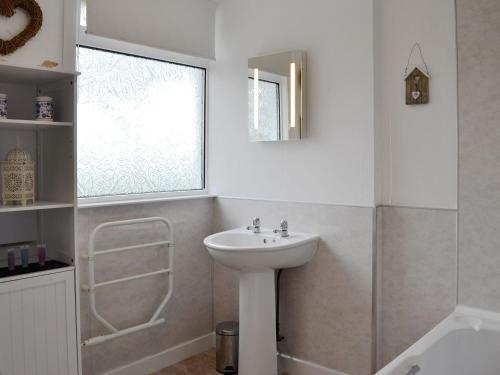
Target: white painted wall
[416,148]
[48,44]
[335,163]
[415,153]
[184,26]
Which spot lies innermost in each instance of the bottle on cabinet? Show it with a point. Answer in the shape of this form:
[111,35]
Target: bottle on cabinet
[41,254]
[25,256]
[11,259]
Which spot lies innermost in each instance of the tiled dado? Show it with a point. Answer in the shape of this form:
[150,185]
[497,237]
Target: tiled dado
[326,306]
[417,278]
[187,316]
[328,312]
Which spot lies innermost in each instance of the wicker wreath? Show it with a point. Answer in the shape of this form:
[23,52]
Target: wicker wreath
[7,9]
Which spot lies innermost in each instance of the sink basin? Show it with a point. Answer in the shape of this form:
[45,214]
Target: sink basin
[256,256]
[244,250]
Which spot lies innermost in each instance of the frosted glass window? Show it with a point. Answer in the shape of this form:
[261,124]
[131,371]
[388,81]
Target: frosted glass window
[140,125]
[269,111]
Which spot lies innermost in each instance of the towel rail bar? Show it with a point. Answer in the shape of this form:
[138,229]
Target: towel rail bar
[92,285]
[132,247]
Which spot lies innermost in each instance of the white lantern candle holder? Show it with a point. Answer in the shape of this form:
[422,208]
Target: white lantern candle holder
[18,178]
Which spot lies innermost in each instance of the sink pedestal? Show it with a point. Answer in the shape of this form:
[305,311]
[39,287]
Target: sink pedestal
[256,256]
[257,342]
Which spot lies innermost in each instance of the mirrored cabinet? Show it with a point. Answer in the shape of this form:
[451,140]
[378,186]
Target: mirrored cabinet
[276,105]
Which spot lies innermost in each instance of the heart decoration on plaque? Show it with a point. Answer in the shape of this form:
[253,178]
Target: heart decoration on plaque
[415,94]
[8,9]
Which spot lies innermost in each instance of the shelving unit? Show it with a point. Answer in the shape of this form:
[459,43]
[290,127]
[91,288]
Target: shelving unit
[47,290]
[51,220]
[39,304]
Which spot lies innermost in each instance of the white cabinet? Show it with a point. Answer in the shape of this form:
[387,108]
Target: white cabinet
[38,325]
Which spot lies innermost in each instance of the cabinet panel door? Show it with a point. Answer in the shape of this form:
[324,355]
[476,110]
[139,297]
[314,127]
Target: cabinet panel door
[38,326]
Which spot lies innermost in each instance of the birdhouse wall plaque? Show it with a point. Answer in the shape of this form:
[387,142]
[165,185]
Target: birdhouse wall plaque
[417,80]
[417,87]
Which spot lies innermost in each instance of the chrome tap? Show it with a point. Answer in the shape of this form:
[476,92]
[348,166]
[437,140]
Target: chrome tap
[255,225]
[283,231]
[413,370]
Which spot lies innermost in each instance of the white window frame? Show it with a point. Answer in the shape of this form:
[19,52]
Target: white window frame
[112,45]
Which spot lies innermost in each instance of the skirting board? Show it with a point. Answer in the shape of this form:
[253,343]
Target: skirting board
[166,358]
[297,366]
[169,357]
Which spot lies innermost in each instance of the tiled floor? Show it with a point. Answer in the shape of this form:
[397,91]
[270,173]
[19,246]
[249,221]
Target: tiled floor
[201,364]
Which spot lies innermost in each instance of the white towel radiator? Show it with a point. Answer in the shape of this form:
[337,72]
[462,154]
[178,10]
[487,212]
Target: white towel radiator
[93,286]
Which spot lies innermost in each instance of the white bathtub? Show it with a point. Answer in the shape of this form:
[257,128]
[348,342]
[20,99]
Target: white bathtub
[466,343]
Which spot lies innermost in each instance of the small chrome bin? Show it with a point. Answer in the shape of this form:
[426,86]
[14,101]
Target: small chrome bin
[227,347]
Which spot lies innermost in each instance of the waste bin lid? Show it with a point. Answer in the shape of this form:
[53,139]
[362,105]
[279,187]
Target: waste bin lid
[228,329]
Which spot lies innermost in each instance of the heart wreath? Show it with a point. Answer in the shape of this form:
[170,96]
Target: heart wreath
[7,9]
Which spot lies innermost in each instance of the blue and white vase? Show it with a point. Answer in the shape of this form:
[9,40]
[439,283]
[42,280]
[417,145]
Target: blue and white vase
[44,108]
[3,106]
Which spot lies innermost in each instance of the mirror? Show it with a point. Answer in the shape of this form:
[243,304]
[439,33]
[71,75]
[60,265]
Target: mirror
[276,97]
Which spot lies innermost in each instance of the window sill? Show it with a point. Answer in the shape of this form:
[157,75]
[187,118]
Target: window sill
[91,203]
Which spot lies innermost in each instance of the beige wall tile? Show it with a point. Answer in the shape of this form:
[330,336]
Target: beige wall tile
[418,274]
[479,192]
[326,305]
[189,313]
[377,298]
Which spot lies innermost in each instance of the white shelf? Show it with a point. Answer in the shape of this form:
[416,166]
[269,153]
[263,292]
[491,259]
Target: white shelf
[29,75]
[40,205]
[31,124]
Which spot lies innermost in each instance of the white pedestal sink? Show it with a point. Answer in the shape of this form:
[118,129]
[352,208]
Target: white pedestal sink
[256,256]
